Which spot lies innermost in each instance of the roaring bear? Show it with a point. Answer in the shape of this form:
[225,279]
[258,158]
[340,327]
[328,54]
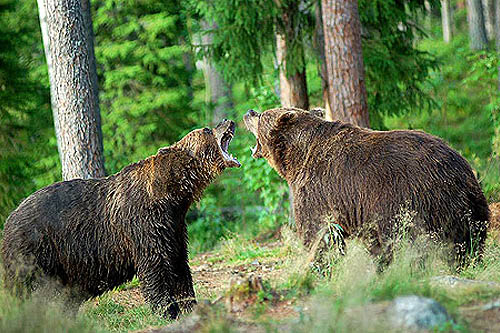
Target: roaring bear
[364,179]
[95,234]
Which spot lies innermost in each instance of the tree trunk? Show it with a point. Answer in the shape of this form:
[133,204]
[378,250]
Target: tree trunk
[489,18]
[293,87]
[477,31]
[69,47]
[344,61]
[293,84]
[446,20]
[496,112]
[319,47]
[218,91]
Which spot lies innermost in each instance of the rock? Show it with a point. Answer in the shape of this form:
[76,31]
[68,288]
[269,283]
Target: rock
[415,312]
[456,282]
[491,305]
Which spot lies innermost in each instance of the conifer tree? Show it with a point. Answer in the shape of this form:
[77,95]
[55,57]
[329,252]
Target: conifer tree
[144,80]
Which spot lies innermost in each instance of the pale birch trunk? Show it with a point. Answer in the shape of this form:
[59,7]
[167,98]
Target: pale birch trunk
[446,20]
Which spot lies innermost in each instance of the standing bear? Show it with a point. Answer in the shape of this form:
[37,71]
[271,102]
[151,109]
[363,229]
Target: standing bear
[365,179]
[93,235]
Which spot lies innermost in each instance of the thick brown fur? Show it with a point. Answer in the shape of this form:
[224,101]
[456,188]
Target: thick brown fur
[364,179]
[93,235]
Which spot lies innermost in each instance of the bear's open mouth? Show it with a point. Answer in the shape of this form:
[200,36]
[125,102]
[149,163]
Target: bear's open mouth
[251,119]
[225,133]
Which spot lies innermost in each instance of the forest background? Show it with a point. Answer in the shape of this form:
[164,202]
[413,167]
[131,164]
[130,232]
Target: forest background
[167,67]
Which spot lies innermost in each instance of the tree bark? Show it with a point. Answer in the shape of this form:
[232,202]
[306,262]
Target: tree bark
[477,31]
[344,61]
[319,47]
[69,47]
[293,84]
[496,112]
[489,18]
[218,91]
[293,87]
[446,20]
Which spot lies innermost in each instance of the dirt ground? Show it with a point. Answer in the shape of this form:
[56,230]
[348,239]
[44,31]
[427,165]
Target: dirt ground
[213,279]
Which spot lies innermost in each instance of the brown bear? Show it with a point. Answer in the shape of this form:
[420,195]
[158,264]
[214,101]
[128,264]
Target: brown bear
[364,179]
[93,235]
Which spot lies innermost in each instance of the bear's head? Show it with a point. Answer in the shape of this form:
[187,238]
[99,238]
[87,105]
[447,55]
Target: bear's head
[211,145]
[281,133]
[184,169]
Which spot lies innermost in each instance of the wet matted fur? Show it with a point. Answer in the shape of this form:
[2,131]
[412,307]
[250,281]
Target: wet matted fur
[364,179]
[93,235]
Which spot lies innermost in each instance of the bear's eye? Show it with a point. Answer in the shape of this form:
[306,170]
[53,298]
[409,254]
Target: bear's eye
[207,130]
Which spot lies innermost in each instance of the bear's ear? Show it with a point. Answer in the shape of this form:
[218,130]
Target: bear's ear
[285,117]
[164,151]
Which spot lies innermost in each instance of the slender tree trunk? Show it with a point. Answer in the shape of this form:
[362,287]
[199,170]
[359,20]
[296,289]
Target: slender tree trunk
[293,87]
[293,84]
[344,61]
[477,31]
[489,18]
[496,112]
[446,20]
[69,47]
[319,47]
[218,91]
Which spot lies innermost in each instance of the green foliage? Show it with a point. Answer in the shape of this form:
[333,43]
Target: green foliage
[397,73]
[24,115]
[37,315]
[244,34]
[115,317]
[145,75]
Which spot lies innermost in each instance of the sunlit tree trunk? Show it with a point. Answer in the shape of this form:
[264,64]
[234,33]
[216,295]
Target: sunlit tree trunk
[319,47]
[496,112]
[293,87]
[344,61]
[489,18]
[446,20]
[69,48]
[293,84]
[477,31]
